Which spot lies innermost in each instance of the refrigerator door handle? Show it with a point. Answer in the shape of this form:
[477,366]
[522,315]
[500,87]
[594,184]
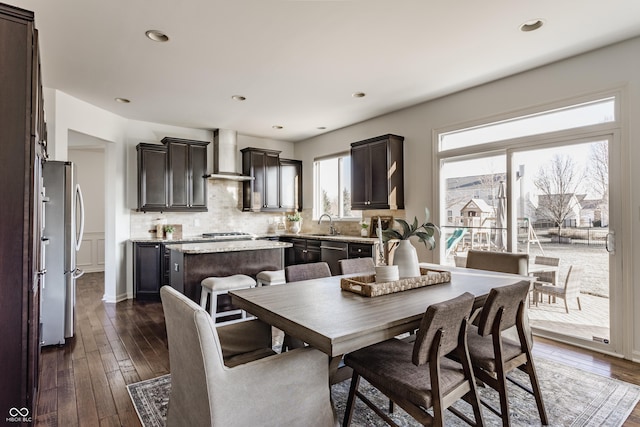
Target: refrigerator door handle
[77,273]
[81,232]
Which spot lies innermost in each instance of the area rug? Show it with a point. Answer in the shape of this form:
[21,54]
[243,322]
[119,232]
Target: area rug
[572,398]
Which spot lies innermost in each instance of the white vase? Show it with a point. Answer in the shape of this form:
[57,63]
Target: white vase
[169,236]
[406,258]
[295,227]
[364,232]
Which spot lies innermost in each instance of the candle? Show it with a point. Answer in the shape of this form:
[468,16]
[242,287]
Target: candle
[381,247]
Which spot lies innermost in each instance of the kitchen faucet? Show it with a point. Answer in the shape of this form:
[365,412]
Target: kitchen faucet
[332,229]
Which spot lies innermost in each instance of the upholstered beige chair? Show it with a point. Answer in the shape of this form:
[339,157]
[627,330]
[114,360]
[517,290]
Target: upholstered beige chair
[284,389]
[493,355]
[357,265]
[312,270]
[419,376]
[570,290]
[504,262]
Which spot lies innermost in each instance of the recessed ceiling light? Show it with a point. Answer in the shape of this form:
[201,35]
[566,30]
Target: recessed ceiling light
[532,25]
[157,36]
[122,100]
[238,98]
[321,128]
[358,94]
[277,127]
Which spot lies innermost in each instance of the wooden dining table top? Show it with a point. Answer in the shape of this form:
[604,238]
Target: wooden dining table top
[336,321]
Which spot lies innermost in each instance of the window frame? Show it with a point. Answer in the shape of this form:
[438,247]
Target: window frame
[341,157]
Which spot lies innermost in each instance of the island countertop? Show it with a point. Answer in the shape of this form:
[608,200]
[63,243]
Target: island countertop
[229,246]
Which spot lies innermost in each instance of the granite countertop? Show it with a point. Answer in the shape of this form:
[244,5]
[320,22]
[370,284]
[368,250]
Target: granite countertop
[333,238]
[229,246]
[194,239]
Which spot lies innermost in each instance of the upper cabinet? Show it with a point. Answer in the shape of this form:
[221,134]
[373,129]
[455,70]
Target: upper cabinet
[171,177]
[377,170]
[290,185]
[276,184]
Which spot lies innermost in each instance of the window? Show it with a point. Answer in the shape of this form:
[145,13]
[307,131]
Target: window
[575,116]
[332,187]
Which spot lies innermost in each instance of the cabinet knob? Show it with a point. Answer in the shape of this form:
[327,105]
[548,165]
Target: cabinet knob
[359,250]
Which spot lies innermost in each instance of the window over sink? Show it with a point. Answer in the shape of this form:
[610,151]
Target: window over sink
[332,187]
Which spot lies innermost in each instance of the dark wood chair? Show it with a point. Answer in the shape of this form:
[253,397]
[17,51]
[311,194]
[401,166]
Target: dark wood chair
[419,376]
[357,265]
[493,356]
[312,270]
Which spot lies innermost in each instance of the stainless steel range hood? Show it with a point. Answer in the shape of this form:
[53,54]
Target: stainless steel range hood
[225,151]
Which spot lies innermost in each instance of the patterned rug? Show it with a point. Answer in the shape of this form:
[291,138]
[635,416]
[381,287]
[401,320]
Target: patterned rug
[572,398]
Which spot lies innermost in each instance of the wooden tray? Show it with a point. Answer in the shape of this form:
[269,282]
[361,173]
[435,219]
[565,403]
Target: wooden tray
[367,286]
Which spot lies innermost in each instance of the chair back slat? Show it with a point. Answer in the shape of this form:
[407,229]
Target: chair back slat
[446,316]
[506,297]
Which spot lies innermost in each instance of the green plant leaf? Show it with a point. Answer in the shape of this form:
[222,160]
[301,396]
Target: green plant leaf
[391,234]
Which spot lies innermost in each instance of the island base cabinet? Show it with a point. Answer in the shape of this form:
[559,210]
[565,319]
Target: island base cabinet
[188,270]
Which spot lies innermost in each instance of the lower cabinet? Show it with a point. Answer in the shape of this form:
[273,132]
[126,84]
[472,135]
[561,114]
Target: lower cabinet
[360,250]
[148,271]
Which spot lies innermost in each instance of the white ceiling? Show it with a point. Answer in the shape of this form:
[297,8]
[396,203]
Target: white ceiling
[298,61]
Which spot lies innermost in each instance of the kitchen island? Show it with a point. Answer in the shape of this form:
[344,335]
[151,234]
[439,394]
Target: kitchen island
[190,263]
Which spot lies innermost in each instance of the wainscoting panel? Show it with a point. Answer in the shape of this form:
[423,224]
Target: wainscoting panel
[90,257]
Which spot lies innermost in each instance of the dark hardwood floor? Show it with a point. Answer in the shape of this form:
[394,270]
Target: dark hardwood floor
[83,382]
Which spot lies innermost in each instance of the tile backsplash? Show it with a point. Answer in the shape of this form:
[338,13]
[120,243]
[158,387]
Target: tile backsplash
[225,214]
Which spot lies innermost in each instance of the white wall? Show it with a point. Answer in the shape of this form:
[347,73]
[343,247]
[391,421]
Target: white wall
[90,163]
[616,66]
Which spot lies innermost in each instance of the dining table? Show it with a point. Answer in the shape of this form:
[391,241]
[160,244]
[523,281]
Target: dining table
[337,321]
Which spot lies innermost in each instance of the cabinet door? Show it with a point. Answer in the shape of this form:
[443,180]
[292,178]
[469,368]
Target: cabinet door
[148,270]
[360,250]
[198,162]
[152,178]
[360,177]
[272,181]
[379,175]
[313,251]
[290,184]
[299,251]
[178,175]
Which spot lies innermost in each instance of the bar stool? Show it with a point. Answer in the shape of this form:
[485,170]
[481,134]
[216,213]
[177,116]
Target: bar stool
[268,278]
[215,286]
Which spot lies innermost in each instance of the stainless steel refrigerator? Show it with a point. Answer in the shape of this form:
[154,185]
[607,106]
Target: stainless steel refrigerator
[63,229]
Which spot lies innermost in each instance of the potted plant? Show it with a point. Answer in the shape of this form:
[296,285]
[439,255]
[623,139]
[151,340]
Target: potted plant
[295,219]
[364,229]
[168,231]
[405,256]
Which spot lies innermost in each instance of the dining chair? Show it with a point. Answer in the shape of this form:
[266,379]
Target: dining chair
[546,277]
[284,389]
[504,262]
[570,290]
[296,273]
[357,265]
[419,376]
[493,355]
[312,270]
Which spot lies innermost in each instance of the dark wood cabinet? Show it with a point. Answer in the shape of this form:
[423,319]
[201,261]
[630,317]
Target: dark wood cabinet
[171,177]
[262,193]
[276,184]
[360,250]
[153,187]
[303,251]
[290,185]
[22,136]
[148,270]
[377,170]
